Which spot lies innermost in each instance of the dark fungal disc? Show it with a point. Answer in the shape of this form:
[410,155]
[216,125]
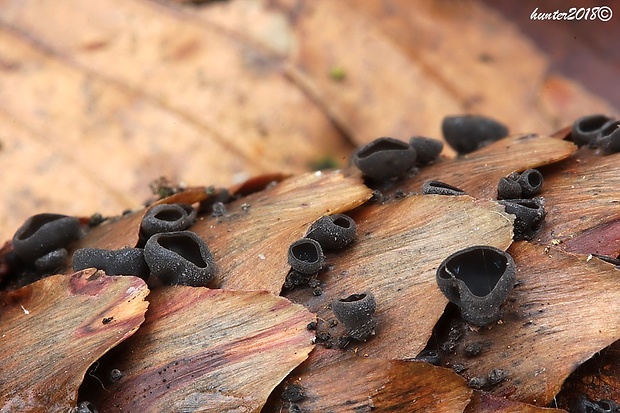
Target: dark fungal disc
[531,181]
[608,139]
[508,189]
[385,158]
[180,258]
[306,256]
[586,129]
[427,149]
[467,133]
[356,313]
[125,261]
[478,280]
[333,232]
[166,218]
[43,233]
[529,216]
[51,262]
[433,187]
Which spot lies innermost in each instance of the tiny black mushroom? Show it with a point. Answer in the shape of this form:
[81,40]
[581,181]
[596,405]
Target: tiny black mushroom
[52,261]
[531,181]
[125,261]
[586,129]
[356,313]
[385,158]
[42,234]
[180,257]
[333,232]
[608,138]
[166,218]
[478,280]
[306,256]
[427,149]
[508,188]
[467,133]
[440,188]
[529,216]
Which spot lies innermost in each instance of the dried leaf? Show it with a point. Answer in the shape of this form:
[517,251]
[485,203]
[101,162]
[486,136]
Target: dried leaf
[347,383]
[563,310]
[181,100]
[225,86]
[399,247]
[582,203]
[483,402]
[250,243]
[360,81]
[54,329]
[207,350]
[479,172]
[437,59]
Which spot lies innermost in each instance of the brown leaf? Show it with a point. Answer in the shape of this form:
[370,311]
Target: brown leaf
[399,247]
[181,99]
[54,329]
[436,59]
[583,212]
[483,402]
[250,243]
[479,172]
[563,310]
[348,383]
[208,350]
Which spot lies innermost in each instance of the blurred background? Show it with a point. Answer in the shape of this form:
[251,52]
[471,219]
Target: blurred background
[98,100]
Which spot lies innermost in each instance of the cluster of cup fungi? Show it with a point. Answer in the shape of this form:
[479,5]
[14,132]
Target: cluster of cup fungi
[477,279]
[169,253]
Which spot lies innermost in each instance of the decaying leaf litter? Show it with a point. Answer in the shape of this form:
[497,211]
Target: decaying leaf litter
[55,329]
[264,71]
[377,400]
[397,263]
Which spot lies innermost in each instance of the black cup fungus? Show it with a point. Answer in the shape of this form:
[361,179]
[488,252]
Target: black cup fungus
[356,313]
[385,158]
[333,232]
[125,261]
[508,189]
[467,133]
[586,129]
[531,181]
[181,258]
[52,261]
[440,188]
[166,218]
[608,138]
[427,149]
[43,233]
[478,280]
[529,216]
[306,256]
